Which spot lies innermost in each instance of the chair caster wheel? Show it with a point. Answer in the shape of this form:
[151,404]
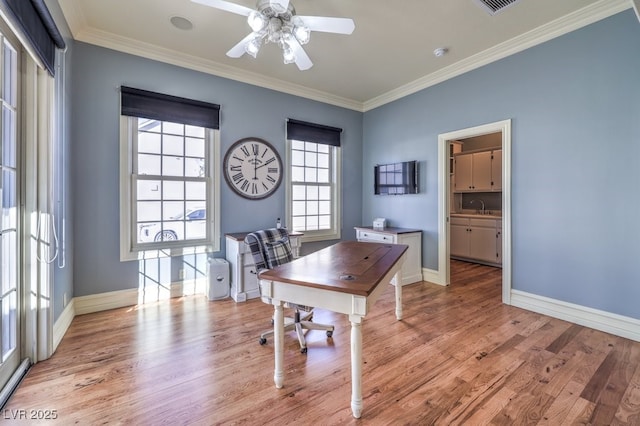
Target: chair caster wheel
[303,350]
[329,333]
[263,341]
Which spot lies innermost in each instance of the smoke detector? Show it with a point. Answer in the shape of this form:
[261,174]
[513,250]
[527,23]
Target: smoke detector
[440,51]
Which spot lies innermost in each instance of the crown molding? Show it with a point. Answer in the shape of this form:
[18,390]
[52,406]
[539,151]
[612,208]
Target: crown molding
[580,18]
[636,7]
[151,51]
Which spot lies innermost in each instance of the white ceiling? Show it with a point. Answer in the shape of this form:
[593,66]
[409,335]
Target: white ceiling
[389,55]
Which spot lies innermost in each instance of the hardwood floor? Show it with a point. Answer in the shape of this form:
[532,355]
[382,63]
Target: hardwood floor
[458,357]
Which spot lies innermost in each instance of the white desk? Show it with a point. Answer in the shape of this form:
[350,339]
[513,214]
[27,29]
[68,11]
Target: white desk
[343,278]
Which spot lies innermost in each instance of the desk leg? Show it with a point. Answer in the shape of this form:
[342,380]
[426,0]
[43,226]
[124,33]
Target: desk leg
[356,365]
[398,279]
[278,343]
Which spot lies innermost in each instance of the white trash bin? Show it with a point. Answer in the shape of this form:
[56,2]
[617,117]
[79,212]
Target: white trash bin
[218,279]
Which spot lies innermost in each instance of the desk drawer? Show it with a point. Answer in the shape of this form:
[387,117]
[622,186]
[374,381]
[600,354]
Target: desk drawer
[375,237]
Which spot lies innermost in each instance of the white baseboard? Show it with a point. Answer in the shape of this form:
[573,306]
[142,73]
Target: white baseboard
[618,325]
[62,324]
[432,276]
[104,301]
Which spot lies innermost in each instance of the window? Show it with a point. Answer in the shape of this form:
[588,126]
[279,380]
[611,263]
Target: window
[313,189]
[169,179]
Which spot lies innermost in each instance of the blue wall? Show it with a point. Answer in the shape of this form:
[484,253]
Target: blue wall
[575,109]
[245,111]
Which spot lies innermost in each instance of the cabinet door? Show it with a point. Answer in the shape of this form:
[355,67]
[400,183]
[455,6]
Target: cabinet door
[481,171]
[499,241]
[496,170]
[459,240]
[482,243]
[463,178]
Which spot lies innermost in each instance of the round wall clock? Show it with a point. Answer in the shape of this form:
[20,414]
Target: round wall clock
[252,168]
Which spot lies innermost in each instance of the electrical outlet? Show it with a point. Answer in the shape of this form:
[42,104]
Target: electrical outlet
[65,299]
[181,274]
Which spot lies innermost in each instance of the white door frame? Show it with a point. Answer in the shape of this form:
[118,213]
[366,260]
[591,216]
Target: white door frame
[444,197]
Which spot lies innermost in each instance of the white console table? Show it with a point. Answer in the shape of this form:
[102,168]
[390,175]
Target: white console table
[412,268]
[244,281]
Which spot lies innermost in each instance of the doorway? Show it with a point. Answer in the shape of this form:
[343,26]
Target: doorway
[444,199]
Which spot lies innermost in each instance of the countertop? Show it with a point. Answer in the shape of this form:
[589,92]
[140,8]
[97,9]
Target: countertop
[477,216]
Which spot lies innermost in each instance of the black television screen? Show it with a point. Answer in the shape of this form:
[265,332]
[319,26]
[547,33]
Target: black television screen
[396,178]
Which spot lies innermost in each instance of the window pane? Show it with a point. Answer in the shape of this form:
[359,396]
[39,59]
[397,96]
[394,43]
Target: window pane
[194,131]
[172,166]
[9,261]
[297,158]
[9,86]
[173,190]
[145,125]
[324,207]
[311,159]
[324,222]
[149,211]
[195,229]
[310,175]
[172,145]
[298,223]
[194,147]
[323,161]
[297,145]
[298,192]
[297,174]
[196,191]
[9,318]
[9,137]
[312,223]
[148,164]
[149,190]
[298,208]
[323,175]
[173,128]
[310,146]
[324,193]
[172,210]
[194,167]
[312,207]
[9,200]
[149,143]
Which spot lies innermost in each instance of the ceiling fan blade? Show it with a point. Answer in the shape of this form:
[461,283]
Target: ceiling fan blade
[238,50]
[280,5]
[226,6]
[329,25]
[302,59]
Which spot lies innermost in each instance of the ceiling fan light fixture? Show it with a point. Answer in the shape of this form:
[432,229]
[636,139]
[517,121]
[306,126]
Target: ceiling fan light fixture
[302,33]
[288,55]
[253,46]
[256,21]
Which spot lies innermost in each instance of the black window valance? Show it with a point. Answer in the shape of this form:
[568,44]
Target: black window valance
[311,132]
[38,26]
[158,106]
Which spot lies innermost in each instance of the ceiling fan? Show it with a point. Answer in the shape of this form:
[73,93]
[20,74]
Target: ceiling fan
[275,21]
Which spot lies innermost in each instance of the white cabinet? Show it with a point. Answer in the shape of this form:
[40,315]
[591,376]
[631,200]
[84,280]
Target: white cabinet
[477,239]
[476,172]
[244,278]
[496,170]
[412,267]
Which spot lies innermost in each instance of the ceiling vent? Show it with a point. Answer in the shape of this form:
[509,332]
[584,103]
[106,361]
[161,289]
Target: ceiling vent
[495,6]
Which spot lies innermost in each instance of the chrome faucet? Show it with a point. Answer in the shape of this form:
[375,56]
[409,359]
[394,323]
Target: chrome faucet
[481,211]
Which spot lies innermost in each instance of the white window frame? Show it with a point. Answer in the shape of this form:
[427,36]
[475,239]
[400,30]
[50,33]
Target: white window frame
[130,249]
[334,233]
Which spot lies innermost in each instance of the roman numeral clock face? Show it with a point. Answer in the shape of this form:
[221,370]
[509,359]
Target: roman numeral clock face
[252,168]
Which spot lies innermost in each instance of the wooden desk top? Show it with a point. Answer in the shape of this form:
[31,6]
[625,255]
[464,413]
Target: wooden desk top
[348,267]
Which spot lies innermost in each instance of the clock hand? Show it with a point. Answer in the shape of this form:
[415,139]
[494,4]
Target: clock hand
[255,168]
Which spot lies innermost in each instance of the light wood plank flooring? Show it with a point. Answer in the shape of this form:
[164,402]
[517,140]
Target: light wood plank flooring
[458,357]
